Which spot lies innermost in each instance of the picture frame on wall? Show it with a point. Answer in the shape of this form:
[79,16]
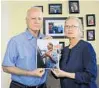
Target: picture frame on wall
[74,7]
[40,7]
[90,19]
[81,18]
[62,44]
[54,27]
[90,35]
[55,8]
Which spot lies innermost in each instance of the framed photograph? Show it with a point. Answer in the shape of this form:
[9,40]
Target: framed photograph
[55,8]
[62,44]
[54,27]
[40,7]
[90,20]
[90,35]
[81,18]
[74,7]
[47,49]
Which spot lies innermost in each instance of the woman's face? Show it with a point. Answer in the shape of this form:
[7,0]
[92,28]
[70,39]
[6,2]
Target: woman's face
[72,28]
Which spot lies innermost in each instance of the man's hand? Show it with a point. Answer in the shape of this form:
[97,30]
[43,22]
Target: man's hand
[48,37]
[15,70]
[47,54]
[38,72]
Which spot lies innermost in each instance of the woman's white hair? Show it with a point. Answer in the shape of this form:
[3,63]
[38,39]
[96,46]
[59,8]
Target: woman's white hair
[79,22]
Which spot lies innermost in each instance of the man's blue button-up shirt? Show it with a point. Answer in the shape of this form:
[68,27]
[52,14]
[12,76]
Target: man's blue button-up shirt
[21,52]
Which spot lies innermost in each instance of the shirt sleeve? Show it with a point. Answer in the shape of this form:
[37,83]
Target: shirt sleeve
[10,54]
[90,68]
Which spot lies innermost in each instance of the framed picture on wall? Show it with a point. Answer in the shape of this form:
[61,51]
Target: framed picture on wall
[90,35]
[40,7]
[81,18]
[54,27]
[74,7]
[55,8]
[62,44]
[90,19]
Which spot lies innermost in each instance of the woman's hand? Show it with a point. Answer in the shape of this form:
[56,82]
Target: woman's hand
[61,73]
[58,72]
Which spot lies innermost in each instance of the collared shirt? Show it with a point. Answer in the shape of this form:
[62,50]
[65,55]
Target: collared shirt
[21,53]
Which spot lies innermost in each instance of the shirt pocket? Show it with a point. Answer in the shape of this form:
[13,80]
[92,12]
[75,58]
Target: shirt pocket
[26,53]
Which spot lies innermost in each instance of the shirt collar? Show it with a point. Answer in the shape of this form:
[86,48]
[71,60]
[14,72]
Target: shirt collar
[30,36]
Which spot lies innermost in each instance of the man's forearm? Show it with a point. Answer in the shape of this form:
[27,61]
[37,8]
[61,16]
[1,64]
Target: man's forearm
[15,70]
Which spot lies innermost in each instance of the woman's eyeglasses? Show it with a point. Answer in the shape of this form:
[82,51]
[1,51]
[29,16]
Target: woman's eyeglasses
[72,26]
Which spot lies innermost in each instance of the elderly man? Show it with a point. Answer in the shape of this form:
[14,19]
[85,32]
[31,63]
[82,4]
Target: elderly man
[20,56]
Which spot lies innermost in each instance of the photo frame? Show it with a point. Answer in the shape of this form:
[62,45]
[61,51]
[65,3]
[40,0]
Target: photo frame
[40,7]
[90,20]
[55,8]
[74,7]
[54,27]
[90,35]
[62,44]
[81,18]
[45,46]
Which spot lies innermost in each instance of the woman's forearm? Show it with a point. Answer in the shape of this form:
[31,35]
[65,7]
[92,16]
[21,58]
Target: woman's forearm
[68,75]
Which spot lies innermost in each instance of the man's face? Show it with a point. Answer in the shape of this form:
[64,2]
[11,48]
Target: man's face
[34,19]
[49,46]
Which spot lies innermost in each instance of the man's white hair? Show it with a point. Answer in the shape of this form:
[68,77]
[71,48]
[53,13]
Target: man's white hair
[33,8]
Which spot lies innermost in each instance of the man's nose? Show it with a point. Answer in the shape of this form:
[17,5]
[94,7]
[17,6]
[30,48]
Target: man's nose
[37,20]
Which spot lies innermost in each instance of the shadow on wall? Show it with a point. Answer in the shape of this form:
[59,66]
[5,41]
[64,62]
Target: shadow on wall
[98,76]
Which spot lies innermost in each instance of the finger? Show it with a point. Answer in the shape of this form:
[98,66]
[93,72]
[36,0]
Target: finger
[41,70]
[48,37]
[52,69]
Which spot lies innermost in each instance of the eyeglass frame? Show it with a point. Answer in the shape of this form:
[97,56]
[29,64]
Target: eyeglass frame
[72,26]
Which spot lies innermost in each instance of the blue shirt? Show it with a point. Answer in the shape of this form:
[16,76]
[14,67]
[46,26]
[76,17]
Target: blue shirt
[21,53]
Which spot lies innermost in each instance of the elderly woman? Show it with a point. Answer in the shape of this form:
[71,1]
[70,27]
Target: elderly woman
[78,67]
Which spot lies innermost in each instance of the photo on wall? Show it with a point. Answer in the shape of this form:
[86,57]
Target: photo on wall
[54,27]
[90,20]
[91,35]
[74,7]
[55,8]
[48,53]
